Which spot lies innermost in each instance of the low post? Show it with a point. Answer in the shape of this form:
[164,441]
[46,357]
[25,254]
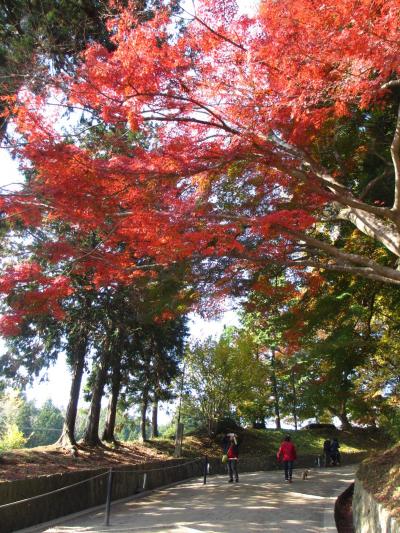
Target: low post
[205,469]
[108,500]
[178,440]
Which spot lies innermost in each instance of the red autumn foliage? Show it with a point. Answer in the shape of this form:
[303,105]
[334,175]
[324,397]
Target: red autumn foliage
[227,90]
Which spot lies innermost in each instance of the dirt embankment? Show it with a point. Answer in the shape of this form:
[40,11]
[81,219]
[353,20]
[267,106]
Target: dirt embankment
[24,463]
[43,460]
[380,476]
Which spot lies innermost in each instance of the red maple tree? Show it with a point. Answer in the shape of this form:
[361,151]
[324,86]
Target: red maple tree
[228,103]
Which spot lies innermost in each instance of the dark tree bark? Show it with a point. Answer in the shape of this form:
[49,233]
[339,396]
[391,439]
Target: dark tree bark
[144,406]
[258,424]
[154,418]
[91,436]
[344,420]
[67,438]
[294,399]
[108,433]
[342,415]
[275,390]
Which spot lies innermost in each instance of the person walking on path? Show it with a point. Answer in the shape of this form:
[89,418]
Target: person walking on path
[327,452]
[335,454]
[287,454]
[231,449]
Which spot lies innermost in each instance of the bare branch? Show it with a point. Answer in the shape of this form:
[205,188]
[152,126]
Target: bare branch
[344,257]
[191,120]
[339,192]
[390,84]
[214,32]
[372,184]
[348,269]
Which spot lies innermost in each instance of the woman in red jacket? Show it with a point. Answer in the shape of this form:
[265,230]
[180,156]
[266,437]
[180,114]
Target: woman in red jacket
[287,454]
[231,449]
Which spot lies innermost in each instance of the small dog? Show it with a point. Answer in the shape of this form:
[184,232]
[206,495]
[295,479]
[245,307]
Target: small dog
[305,474]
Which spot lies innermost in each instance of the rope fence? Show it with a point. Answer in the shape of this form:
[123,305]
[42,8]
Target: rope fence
[55,491]
[111,476]
[159,469]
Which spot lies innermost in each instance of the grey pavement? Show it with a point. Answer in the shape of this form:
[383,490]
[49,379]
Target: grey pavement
[260,502]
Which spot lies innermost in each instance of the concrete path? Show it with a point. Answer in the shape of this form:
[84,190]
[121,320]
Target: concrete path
[260,502]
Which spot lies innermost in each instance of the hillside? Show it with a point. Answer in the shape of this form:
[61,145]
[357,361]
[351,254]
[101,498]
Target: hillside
[33,462]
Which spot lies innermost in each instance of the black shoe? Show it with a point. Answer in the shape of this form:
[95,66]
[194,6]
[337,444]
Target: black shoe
[237,480]
[230,481]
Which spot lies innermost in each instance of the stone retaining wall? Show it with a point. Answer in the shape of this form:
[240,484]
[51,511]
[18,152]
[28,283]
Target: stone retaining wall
[369,516]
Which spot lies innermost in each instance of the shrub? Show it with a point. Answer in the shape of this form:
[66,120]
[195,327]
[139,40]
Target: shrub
[12,439]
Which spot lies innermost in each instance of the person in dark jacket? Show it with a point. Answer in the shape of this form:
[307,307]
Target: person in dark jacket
[327,452]
[335,454]
[287,453]
[231,449]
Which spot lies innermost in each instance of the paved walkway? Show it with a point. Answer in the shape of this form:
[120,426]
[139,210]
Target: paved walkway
[260,502]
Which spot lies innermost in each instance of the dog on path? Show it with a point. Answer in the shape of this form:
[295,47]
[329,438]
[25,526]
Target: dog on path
[305,474]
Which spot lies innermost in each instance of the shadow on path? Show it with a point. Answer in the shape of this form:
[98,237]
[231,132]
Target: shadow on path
[260,502]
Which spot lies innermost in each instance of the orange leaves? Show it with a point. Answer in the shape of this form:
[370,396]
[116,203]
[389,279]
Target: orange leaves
[164,316]
[295,219]
[24,273]
[8,106]
[31,293]
[198,134]
[337,53]
[10,325]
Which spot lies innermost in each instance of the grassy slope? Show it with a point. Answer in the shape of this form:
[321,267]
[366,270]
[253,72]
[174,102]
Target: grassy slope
[47,460]
[267,442]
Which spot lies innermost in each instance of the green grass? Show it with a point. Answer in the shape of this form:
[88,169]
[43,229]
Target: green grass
[267,441]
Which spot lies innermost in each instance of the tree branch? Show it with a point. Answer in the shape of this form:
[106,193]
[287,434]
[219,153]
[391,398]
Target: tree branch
[372,184]
[219,35]
[339,192]
[390,84]
[383,231]
[395,152]
[345,257]
[192,120]
[364,272]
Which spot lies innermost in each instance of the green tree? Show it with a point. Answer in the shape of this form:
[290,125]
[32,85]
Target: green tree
[227,378]
[12,439]
[47,425]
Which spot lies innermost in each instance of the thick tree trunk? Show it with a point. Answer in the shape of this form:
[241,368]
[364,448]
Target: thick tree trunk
[154,418]
[67,438]
[144,406]
[294,399]
[91,436]
[344,420]
[342,416]
[275,391]
[108,433]
[383,231]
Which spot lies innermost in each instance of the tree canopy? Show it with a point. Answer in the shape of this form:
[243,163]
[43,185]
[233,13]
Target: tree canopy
[249,153]
[189,107]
